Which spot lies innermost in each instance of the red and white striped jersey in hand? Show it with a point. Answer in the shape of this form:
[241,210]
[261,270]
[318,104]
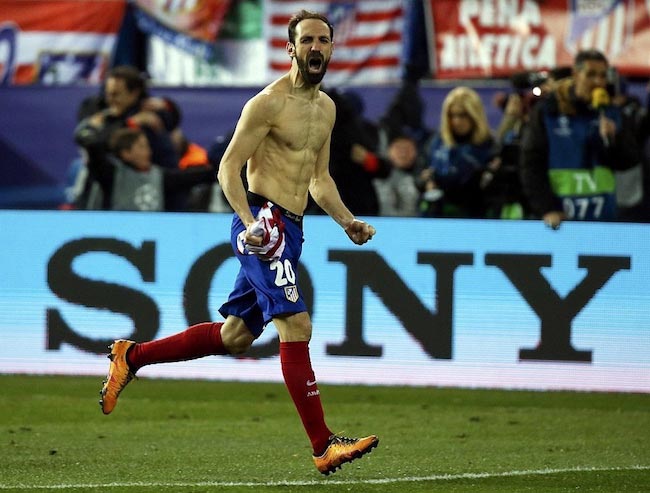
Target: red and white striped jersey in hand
[270,227]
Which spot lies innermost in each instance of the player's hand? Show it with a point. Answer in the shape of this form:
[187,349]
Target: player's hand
[254,235]
[360,232]
[553,219]
[264,237]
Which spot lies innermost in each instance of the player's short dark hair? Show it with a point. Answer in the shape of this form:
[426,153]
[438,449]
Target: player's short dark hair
[590,55]
[132,77]
[307,14]
[123,139]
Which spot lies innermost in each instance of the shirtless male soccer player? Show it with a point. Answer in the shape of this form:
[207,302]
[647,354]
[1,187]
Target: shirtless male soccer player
[284,134]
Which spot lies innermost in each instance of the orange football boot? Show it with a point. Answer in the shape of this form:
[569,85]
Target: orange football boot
[119,375]
[341,450]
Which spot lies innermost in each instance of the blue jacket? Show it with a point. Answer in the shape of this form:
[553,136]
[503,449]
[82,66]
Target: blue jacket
[455,167]
[457,171]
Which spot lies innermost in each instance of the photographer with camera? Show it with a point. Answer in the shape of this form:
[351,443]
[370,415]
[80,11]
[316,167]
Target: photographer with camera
[503,191]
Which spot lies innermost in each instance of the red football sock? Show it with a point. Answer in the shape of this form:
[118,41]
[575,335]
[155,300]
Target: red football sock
[301,383]
[195,342]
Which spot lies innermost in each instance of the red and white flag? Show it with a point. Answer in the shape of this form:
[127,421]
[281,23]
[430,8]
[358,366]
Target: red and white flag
[57,41]
[367,39]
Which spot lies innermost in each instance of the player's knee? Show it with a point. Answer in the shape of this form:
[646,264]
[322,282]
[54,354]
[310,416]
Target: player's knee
[239,346]
[302,332]
[236,337]
[294,328]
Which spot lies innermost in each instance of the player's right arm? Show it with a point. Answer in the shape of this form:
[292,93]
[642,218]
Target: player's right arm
[252,128]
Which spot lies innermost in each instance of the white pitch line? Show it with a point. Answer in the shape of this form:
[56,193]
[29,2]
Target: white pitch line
[325,482]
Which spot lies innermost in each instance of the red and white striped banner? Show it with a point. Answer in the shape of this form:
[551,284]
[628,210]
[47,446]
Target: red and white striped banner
[367,39]
[57,41]
[495,39]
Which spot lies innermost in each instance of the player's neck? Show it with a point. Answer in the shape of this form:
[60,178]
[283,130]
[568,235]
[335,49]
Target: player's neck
[300,87]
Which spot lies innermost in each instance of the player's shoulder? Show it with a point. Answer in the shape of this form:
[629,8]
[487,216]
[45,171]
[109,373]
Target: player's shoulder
[269,101]
[328,106]
[327,101]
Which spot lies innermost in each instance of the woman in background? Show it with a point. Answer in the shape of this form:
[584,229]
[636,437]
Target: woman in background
[459,159]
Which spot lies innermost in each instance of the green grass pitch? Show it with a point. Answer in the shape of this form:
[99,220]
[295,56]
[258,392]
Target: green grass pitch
[205,436]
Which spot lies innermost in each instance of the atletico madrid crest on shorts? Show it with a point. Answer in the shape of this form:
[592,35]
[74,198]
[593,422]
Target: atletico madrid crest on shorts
[291,293]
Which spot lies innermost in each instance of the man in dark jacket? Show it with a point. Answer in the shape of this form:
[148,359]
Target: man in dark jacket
[571,144]
[354,161]
[125,102]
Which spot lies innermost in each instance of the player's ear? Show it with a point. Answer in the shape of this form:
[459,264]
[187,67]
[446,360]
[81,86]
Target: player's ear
[291,49]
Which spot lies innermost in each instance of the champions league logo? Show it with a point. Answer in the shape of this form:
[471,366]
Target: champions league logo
[564,128]
[147,198]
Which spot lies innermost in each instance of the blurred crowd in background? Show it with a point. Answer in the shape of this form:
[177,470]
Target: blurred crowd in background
[135,155]
[571,141]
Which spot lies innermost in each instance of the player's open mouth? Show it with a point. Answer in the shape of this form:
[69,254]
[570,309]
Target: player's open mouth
[315,64]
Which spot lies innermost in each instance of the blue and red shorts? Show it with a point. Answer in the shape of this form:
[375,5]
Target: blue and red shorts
[264,290]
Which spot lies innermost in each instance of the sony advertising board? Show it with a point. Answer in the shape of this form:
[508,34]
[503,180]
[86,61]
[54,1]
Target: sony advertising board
[491,304]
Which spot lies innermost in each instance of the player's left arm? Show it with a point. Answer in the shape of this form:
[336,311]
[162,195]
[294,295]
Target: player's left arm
[325,193]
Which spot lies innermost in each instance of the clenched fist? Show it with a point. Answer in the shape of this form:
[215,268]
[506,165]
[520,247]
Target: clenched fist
[360,232]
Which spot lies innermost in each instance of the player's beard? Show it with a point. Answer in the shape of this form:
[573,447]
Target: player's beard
[312,59]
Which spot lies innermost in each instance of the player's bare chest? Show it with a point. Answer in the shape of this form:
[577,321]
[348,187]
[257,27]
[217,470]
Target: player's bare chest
[307,128]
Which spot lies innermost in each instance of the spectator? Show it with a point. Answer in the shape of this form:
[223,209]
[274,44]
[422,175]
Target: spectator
[528,87]
[569,148]
[128,104]
[405,115]
[197,199]
[503,190]
[502,186]
[354,161]
[218,201]
[191,153]
[128,178]
[631,195]
[124,102]
[514,117]
[397,193]
[643,137]
[458,159]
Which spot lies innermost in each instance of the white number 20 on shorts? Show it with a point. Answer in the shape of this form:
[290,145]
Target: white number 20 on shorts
[284,273]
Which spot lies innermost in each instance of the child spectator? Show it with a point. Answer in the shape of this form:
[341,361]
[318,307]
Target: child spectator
[397,193]
[128,178]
